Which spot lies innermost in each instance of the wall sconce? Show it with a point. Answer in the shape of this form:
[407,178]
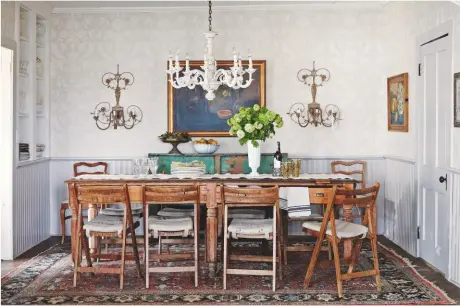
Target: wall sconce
[314,115]
[106,116]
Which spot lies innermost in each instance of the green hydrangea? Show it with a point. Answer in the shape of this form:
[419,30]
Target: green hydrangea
[254,123]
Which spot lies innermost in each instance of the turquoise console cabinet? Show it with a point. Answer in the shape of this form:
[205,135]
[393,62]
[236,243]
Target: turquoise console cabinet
[217,163]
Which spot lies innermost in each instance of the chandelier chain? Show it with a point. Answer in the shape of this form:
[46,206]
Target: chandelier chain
[210,16]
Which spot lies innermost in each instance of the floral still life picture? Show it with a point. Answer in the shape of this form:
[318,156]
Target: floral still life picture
[189,110]
[398,99]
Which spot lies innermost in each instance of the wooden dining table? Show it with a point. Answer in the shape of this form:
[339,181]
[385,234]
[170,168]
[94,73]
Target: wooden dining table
[320,186]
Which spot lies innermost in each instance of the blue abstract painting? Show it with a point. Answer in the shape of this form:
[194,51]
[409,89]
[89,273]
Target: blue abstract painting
[189,110]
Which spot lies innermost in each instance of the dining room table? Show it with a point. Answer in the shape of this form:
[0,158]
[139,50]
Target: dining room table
[320,187]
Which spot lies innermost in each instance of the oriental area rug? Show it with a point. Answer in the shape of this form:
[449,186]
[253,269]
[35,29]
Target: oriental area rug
[47,279]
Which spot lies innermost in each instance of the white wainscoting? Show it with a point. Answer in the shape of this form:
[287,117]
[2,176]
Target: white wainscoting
[31,223]
[400,203]
[61,169]
[454,265]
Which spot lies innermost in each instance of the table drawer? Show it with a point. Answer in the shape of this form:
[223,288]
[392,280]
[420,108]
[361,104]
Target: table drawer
[319,195]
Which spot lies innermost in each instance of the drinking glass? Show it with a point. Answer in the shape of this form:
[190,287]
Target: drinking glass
[152,165]
[137,166]
[297,165]
[285,169]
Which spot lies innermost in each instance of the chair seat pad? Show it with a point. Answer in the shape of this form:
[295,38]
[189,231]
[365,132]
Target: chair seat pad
[106,224]
[176,212]
[344,229]
[246,213]
[119,210]
[310,217]
[164,224]
[251,227]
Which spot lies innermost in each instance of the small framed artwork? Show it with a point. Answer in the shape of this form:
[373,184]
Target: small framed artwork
[457,99]
[189,111]
[398,100]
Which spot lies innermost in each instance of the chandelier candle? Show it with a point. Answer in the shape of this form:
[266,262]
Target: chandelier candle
[210,78]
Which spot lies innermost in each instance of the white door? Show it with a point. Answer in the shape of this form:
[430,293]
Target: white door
[6,153]
[434,121]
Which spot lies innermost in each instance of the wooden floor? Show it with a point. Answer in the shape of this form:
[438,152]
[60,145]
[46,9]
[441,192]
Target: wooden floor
[421,266]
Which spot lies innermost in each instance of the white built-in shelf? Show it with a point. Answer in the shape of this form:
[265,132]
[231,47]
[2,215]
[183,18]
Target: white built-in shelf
[32,124]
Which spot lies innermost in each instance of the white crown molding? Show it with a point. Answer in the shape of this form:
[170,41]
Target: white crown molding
[312,5]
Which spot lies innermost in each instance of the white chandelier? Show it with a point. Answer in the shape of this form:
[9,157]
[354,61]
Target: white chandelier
[210,78]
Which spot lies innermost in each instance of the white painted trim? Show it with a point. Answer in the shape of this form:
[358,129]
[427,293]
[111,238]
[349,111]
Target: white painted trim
[7,153]
[401,159]
[313,5]
[31,162]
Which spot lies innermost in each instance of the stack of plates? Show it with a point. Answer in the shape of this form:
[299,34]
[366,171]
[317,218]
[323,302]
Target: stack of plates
[193,169]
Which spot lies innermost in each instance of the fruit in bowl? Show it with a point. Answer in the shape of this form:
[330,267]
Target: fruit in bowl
[205,146]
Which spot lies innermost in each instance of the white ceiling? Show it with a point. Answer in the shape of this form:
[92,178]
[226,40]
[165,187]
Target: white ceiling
[173,4]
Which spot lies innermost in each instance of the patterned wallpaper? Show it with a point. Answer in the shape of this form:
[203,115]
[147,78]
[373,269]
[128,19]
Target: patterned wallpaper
[8,17]
[361,48]
[350,43]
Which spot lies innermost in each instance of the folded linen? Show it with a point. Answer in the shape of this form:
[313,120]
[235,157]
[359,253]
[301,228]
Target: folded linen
[298,202]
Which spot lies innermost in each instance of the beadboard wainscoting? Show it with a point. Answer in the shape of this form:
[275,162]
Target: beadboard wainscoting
[454,264]
[400,203]
[61,169]
[31,210]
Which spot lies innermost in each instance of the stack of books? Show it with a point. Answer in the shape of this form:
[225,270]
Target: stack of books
[24,153]
[191,169]
[40,148]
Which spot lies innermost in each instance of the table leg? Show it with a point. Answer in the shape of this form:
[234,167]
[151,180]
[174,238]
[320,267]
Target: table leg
[211,228]
[348,216]
[93,241]
[74,210]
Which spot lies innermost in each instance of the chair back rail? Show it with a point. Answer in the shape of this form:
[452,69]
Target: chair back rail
[337,168]
[104,194]
[244,197]
[76,167]
[171,194]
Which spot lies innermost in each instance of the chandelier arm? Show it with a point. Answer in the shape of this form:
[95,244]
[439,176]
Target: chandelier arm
[248,82]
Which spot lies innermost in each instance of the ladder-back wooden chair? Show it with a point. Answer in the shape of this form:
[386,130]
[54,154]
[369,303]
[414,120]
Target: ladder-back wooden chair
[336,231]
[105,226]
[268,229]
[167,227]
[65,204]
[357,169]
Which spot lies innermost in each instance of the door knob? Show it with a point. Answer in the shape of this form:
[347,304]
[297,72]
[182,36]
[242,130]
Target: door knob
[443,179]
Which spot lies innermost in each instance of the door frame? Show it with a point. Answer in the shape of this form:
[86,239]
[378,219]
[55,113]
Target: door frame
[441,29]
[8,213]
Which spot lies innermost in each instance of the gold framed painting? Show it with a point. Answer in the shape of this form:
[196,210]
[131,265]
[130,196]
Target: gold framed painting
[398,102]
[189,111]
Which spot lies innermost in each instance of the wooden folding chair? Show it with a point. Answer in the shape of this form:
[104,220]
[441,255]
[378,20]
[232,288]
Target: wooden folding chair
[105,226]
[357,169]
[268,229]
[172,227]
[336,231]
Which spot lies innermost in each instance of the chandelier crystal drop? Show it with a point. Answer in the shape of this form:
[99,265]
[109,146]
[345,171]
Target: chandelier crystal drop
[210,78]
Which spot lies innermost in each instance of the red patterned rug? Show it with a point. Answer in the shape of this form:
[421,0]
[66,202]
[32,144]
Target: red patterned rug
[47,279]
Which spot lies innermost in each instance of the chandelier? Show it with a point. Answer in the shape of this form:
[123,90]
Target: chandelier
[210,78]
[313,114]
[106,116]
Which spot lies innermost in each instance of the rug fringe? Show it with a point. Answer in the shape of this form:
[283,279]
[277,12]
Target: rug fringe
[412,267]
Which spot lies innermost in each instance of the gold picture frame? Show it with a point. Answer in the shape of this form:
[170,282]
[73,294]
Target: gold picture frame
[398,102]
[189,111]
